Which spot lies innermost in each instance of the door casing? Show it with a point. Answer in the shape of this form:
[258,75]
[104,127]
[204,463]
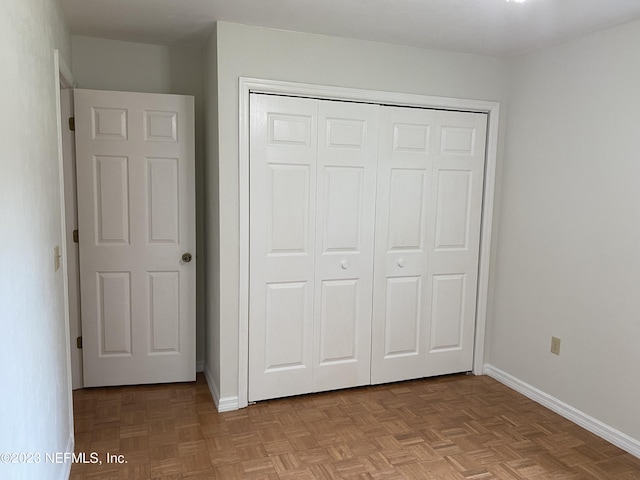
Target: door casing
[63,78]
[256,85]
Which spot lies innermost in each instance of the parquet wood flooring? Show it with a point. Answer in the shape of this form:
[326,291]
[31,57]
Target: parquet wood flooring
[455,427]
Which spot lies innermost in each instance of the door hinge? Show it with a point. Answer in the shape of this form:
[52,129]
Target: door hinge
[72,124]
[75,236]
[79,342]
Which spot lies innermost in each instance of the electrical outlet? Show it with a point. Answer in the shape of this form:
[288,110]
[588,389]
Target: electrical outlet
[56,258]
[555,345]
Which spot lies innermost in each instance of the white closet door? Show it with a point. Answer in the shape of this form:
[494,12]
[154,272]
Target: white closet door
[430,179]
[346,192]
[364,241]
[282,215]
[403,241]
[457,186]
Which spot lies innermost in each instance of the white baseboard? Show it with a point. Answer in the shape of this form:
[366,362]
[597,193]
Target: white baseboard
[200,366]
[213,388]
[66,470]
[228,404]
[619,439]
[225,404]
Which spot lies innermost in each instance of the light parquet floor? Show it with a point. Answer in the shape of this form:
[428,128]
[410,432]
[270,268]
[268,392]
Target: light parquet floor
[448,428]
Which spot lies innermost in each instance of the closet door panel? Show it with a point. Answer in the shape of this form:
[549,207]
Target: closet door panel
[403,317]
[282,182]
[457,183]
[364,243]
[427,242]
[346,192]
[338,322]
[403,241]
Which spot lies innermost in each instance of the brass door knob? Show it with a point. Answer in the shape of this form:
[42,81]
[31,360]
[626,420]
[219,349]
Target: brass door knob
[186,257]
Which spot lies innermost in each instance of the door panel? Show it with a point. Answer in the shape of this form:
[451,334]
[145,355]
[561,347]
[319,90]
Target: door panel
[400,307]
[282,211]
[285,319]
[312,211]
[406,200]
[114,317]
[345,219]
[456,140]
[109,123]
[427,242]
[338,322]
[364,236]
[457,184]
[402,327]
[447,319]
[343,191]
[112,195]
[452,212]
[164,200]
[136,217]
[288,197]
[165,311]
[411,138]
[161,126]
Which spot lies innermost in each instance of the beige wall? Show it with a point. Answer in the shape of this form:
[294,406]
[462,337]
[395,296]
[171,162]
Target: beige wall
[280,55]
[36,390]
[568,249]
[136,67]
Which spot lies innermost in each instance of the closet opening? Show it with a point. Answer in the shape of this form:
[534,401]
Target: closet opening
[365,233]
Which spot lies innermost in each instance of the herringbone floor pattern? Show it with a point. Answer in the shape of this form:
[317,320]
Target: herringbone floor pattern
[448,428]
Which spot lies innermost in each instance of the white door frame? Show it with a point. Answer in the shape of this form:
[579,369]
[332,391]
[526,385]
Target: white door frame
[63,78]
[256,85]
[71,255]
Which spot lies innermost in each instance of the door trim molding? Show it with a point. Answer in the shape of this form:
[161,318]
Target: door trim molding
[256,85]
[63,79]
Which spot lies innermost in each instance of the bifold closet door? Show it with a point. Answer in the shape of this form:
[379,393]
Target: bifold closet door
[282,210]
[429,201]
[312,182]
[346,193]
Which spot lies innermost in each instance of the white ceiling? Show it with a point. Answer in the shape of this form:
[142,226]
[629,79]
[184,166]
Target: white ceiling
[490,27]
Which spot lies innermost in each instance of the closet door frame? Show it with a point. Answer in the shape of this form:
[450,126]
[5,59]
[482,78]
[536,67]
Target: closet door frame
[275,87]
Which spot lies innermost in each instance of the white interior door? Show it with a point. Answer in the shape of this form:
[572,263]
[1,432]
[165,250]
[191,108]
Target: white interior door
[136,219]
[346,192]
[431,166]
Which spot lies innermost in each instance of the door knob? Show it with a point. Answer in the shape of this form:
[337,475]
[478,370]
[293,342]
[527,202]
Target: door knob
[186,257]
[344,264]
[401,262]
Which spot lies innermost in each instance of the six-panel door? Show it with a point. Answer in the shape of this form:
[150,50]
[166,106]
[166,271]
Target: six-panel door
[430,184]
[136,218]
[312,209]
[364,236]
